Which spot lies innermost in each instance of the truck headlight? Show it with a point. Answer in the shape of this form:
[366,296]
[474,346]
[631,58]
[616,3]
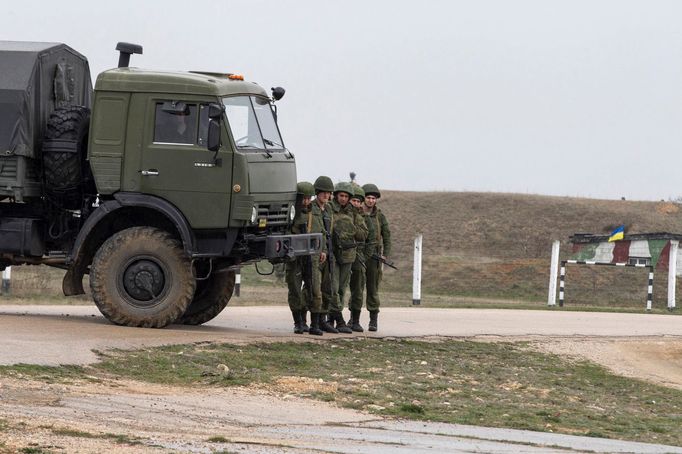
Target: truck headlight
[292,213]
[254,215]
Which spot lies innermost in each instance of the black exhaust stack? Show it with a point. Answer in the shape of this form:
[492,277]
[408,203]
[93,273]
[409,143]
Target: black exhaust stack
[126,50]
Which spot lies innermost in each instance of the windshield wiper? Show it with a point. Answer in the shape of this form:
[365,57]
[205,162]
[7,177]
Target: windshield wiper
[272,143]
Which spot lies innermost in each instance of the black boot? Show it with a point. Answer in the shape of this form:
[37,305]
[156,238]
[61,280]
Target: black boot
[326,326]
[341,323]
[315,325]
[304,325]
[355,322]
[298,329]
[373,322]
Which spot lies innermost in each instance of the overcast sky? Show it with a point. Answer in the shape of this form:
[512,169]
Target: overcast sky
[577,98]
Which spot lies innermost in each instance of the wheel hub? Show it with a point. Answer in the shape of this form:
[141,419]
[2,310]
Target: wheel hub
[143,280]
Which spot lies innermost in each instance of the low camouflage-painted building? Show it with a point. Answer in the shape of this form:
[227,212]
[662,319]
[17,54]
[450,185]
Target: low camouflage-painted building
[648,249]
[654,251]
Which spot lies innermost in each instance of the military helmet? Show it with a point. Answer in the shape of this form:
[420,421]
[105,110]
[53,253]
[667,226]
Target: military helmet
[358,193]
[324,184]
[305,189]
[344,187]
[371,189]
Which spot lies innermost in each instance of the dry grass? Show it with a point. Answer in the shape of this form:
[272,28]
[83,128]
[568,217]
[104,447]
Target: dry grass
[478,245]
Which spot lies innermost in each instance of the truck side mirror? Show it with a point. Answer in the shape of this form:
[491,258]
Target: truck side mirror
[215,111]
[213,140]
[277,93]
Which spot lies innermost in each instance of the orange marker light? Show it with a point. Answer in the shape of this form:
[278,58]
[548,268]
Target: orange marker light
[235,77]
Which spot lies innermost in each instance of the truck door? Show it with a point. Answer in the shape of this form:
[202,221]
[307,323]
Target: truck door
[176,165]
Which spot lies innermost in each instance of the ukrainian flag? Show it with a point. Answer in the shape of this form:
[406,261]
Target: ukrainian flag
[617,234]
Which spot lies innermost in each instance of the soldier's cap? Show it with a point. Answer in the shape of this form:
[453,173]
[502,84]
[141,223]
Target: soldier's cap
[305,189]
[371,189]
[358,193]
[324,184]
[344,187]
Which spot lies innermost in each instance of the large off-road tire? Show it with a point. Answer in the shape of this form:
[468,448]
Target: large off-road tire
[210,298]
[141,277]
[66,170]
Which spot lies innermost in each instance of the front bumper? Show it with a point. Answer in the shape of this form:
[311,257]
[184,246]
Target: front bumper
[279,248]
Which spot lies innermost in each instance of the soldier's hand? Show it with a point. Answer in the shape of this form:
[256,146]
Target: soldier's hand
[323,257]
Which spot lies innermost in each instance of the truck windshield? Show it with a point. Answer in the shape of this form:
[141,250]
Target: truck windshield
[252,123]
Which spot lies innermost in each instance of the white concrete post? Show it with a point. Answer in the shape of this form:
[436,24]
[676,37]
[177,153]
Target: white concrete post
[672,273]
[417,271]
[7,280]
[237,281]
[553,273]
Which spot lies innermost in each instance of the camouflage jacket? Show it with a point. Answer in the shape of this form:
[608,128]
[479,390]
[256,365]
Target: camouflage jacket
[379,235]
[310,221]
[362,247]
[348,230]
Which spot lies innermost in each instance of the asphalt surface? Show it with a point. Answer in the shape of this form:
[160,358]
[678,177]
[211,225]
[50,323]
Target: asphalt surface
[68,334]
[52,335]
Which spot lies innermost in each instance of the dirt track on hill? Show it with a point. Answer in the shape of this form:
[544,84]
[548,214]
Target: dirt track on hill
[258,420]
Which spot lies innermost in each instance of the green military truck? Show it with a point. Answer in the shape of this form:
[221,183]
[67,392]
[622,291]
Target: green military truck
[159,185]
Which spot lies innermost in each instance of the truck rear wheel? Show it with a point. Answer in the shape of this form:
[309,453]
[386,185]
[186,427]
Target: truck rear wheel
[141,277]
[210,298]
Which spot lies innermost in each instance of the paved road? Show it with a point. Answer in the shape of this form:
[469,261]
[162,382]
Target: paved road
[53,335]
[68,334]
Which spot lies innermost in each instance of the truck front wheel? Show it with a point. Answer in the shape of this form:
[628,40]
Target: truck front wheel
[210,298]
[141,277]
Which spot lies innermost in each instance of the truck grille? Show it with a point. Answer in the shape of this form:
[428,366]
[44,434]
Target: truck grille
[276,214]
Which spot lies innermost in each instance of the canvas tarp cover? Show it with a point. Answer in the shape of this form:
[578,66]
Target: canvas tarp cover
[34,79]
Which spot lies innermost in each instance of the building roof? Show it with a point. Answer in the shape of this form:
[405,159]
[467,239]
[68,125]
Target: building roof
[585,238]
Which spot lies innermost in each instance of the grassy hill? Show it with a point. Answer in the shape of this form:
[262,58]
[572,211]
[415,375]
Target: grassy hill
[499,245]
[488,245]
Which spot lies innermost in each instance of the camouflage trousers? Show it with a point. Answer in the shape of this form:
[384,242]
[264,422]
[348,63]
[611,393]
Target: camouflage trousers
[373,276]
[342,284]
[299,295]
[357,285]
[334,285]
[328,294]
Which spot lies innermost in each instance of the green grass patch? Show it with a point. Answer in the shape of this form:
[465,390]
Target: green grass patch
[218,439]
[35,450]
[47,374]
[490,384]
[117,438]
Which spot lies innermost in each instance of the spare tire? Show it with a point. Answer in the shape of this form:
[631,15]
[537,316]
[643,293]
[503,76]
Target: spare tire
[65,149]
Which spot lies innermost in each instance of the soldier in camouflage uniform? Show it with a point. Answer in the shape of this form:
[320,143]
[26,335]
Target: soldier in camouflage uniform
[349,230]
[324,214]
[357,272]
[301,269]
[379,243]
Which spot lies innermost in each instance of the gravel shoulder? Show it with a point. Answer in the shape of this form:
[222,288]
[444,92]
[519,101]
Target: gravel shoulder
[86,417]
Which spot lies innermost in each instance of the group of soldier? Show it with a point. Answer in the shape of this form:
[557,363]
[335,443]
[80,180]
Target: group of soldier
[356,243]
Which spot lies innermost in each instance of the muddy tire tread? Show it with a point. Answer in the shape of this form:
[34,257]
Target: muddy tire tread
[107,303]
[212,301]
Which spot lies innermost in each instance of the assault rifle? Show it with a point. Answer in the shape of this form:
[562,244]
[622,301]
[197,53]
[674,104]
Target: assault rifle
[380,259]
[308,271]
[330,251]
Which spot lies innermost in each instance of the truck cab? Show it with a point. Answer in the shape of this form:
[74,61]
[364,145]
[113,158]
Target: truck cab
[149,135]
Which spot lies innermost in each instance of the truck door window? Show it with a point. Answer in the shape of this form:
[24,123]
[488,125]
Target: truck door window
[175,127]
